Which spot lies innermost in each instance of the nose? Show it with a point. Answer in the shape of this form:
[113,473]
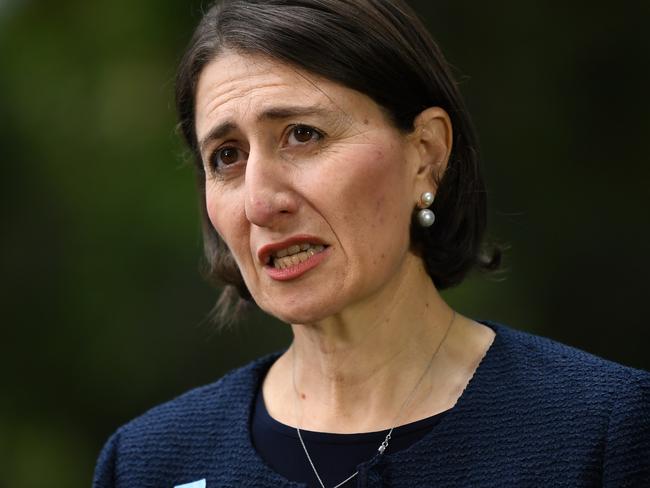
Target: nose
[270,198]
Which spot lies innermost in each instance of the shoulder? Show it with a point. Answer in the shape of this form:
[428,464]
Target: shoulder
[562,405]
[549,360]
[574,399]
[165,439]
[558,383]
[202,406]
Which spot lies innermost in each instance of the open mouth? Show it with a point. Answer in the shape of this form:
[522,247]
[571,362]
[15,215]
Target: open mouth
[294,255]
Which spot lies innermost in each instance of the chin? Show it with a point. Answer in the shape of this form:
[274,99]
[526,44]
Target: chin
[299,311]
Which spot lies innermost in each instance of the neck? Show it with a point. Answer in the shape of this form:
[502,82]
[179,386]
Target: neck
[353,371]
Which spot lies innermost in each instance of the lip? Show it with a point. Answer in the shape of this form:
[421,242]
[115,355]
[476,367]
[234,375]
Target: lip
[298,270]
[264,252]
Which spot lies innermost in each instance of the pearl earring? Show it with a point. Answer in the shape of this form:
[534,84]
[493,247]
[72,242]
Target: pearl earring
[426,217]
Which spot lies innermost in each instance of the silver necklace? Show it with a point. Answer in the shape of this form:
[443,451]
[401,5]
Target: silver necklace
[384,444]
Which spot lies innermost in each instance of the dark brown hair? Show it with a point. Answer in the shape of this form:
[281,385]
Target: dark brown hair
[379,48]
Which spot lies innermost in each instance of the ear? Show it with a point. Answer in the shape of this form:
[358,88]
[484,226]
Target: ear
[432,137]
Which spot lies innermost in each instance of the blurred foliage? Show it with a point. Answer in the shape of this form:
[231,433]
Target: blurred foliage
[104,309]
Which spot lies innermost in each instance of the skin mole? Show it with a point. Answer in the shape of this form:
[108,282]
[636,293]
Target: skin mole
[379,205]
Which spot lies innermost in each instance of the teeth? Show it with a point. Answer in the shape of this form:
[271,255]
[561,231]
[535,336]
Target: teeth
[289,251]
[283,260]
[282,253]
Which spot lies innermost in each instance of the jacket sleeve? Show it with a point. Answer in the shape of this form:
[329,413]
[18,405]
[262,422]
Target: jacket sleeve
[627,449]
[105,469]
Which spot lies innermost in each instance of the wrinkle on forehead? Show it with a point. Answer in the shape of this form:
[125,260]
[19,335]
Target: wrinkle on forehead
[229,93]
[256,78]
[238,88]
[252,77]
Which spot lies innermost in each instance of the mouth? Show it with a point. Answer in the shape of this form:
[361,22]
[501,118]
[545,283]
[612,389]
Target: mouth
[290,256]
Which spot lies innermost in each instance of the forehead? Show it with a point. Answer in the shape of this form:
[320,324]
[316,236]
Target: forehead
[243,86]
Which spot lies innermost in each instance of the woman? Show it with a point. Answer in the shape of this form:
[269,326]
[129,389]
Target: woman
[341,192]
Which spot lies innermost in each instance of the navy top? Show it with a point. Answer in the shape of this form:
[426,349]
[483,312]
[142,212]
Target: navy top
[336,456]
[536,413]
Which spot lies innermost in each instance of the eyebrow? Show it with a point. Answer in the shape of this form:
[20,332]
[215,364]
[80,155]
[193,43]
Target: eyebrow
[273,113]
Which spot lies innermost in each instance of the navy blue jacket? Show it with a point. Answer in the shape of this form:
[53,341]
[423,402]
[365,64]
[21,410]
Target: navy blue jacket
[536,413]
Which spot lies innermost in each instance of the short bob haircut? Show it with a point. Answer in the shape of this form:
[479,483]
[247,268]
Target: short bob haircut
[379,48]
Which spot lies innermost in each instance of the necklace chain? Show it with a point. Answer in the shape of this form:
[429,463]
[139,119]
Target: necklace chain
[384,445]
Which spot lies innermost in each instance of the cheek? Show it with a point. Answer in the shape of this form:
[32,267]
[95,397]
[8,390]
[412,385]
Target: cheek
[378,184]
[373,201]
[223,214]
[212,204]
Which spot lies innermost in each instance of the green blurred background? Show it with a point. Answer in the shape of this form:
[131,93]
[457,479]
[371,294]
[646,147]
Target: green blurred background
[104,310]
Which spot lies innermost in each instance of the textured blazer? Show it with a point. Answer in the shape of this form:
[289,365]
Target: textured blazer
[536,413]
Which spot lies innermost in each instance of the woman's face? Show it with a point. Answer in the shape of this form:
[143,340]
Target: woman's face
[307,182]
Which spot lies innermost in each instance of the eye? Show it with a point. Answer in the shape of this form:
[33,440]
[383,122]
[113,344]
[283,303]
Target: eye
[303,134]
[226,156]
